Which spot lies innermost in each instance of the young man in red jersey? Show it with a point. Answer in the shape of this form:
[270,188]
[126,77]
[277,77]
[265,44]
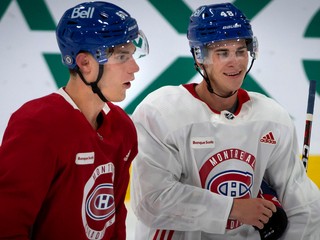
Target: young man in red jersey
[65,157]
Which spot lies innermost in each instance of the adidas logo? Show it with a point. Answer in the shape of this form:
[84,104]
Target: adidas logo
[268,138]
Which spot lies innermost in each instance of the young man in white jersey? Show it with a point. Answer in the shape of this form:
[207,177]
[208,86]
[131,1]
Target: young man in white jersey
[206,149]
[65,157]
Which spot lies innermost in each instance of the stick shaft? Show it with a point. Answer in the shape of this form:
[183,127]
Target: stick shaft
[308,126]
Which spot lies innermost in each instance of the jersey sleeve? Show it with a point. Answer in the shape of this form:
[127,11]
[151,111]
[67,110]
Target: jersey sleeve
[25,170]
[299,196]
[158,197]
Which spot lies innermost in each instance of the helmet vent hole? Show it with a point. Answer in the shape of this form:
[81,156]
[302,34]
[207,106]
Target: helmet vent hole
[72,23]
[98,54]
[205,15]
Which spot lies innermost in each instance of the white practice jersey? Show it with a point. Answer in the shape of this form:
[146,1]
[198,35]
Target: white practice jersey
[193,161]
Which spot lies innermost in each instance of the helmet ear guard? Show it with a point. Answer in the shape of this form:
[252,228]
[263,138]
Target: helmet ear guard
[199,54]
[253,47]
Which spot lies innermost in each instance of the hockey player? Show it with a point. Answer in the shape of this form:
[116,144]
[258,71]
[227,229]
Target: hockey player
[205,149]
[65,157]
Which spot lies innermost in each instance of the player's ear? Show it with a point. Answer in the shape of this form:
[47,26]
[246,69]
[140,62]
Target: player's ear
[83,61]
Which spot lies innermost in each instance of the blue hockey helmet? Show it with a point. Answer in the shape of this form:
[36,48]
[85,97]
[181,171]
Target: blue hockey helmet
[218,22]
[96,27]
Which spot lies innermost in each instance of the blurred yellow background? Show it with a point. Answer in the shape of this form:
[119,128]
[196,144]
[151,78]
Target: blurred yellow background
[314,168]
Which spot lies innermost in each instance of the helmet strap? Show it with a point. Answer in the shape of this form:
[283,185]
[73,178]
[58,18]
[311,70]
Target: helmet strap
[94,85]
[252,61]
[209,86]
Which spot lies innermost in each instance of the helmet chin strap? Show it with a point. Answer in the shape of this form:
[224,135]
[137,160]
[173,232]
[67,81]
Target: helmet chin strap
[209,86]
[94,85]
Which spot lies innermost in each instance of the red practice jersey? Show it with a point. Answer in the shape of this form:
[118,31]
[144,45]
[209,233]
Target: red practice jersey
[60,178]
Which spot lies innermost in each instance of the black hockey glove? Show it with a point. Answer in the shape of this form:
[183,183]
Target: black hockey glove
[278,222]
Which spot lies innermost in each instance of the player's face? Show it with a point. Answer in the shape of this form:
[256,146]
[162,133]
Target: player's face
[226,65]
[118,73]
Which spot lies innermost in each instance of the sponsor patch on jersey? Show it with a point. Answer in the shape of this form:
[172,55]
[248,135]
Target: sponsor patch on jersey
[85,158]
[268,138]
[202,142]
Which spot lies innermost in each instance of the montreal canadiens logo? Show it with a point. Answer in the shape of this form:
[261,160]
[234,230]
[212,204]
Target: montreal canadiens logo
[235,184]
[100,203]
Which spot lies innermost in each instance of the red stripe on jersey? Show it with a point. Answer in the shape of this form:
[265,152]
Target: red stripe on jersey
[163,234]
[170,235]
[156,235]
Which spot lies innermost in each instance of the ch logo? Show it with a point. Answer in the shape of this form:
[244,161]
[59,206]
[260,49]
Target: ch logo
[100,204]
[236,184]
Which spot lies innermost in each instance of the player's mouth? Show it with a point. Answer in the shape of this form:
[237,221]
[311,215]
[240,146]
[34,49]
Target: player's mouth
[232,74]
[127,85]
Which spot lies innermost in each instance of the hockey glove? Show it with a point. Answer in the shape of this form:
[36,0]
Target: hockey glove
[278,222]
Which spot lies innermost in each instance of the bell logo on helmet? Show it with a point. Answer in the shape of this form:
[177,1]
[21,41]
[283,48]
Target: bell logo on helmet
[82,13]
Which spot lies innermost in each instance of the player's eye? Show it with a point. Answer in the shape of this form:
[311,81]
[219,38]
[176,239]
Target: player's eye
[222,54]
[241,53]
[122,57]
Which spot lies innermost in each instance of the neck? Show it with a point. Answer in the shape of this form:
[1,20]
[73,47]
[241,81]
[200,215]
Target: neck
[88,102]
[214,101]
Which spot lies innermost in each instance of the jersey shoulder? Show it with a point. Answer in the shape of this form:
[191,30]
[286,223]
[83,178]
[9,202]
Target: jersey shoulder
[171,93]
[170,99]
[268,108]
[172,107]
[43,107]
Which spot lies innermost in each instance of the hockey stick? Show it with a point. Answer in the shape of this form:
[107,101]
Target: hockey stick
[308,127]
